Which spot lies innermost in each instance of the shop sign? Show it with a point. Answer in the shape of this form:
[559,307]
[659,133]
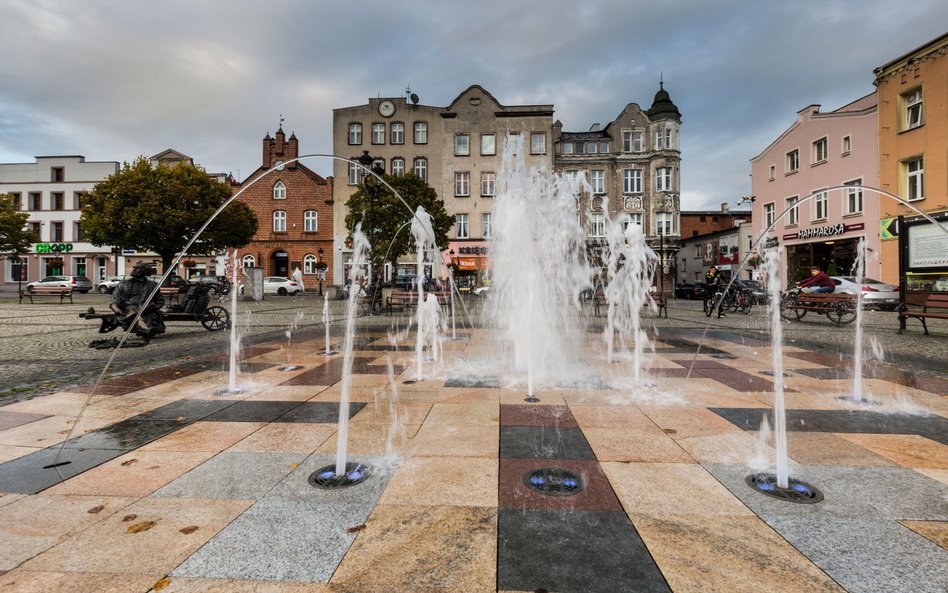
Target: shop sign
[771,242]
[53,247]
[467,263]
[822,231]
[472,250]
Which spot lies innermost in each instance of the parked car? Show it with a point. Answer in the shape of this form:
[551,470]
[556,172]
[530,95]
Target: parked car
[874,293]
[215,284]
[279,285]
[173,281]
[107,286]
[690,291]
[757,290]
[79,284]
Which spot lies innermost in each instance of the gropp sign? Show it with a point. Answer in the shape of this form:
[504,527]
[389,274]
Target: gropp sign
[53,247]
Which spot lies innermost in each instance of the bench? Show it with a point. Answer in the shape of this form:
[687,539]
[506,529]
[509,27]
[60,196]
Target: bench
[46,291]
[409,298]
[839,307]
[599,301]
[935,307]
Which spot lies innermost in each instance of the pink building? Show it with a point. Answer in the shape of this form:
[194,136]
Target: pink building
[819,151]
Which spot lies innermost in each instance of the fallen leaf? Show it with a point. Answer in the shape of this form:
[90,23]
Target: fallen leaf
[161,584]
[155,467]
[669,431]
[129,462]
[355,529]
[139,527]
[96,510]
[182,418]
[128,518]
[189,529]
[294,465]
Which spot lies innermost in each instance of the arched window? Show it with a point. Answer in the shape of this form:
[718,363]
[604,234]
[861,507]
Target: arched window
[279,221]
[309,221]
[309,264]
[279,191]
[248,261]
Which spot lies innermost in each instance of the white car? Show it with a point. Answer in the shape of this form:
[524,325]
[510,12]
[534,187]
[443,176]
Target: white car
[874,293]
[281,286]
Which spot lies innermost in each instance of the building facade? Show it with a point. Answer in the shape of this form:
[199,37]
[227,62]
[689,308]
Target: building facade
[821,227]
[913,161]
[294,207]
[51,190]
[719,238]
[633,166]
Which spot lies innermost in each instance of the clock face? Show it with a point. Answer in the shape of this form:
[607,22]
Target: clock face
[279,165]
[386,109]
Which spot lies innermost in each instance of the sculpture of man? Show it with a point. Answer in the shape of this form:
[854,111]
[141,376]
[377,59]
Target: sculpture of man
[129,296]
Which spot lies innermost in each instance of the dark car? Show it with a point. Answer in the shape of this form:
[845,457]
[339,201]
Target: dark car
[757,290]
[215,284]
[173,281]
[690,291]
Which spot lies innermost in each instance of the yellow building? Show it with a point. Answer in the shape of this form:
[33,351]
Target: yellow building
[913,160]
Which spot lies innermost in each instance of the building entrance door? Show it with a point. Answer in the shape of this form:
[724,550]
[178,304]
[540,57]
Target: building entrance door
[280,264]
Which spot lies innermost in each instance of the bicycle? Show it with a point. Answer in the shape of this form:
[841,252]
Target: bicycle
[713,301]
[741,301]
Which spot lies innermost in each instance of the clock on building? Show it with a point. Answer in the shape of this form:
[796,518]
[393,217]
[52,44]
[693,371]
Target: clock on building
[386,108]
[279,165]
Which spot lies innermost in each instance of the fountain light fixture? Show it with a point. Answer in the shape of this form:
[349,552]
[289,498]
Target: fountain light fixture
[796,491]
[326,477]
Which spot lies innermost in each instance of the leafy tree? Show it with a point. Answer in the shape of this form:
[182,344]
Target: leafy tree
[15,238]
[160,208]
[382,215]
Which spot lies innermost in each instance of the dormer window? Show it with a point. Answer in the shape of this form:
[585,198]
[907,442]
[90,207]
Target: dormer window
[279,191]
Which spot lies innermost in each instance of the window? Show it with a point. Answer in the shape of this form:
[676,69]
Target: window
[820,206]
[793,216]
[537,143]
[663,139]
[19,270]
[17,205]
[309,221]
[567,148]
[698,252]
[773,172]
[854,197]
[77,233]
[663,181]
[637,141]
[35,227]
[398,133]
[913,109]
[279,191]
[597,225]
[79,266]
[421,132]
[57,174]
[36,200]
[462,183]
[819,151]
[355,173]
[915,179]
[632,181]
[379,164]
[460,226]
[57,200]
[488,144]
[398,166]
[603,147]
[592,147]
[378,133]
[598,181]
[279,221]
[421,168]
[248,261]
[769,214]
[626,140]
[793,161]
[847,145]
[487,183]
[78,199]
[309,263]
[56,232]
[355,133]
[664,223]
[631,218]
[485,225]
[462,144]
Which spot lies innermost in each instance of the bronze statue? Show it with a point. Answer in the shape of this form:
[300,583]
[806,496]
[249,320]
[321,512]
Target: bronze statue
[126,302]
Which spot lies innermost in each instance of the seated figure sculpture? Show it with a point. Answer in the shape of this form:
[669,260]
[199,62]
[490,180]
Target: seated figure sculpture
[127,299]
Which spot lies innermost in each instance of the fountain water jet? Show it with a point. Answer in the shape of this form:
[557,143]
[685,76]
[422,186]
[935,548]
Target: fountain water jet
[232,388]
[326,323]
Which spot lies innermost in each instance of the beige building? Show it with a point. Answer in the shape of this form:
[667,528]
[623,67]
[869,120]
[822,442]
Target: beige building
[457,149]
[913,161]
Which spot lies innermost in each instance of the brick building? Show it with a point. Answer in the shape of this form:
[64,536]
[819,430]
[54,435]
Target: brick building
[294,210]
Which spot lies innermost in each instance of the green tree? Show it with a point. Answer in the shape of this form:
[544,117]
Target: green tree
[160,208]
[15,238]
[383,215]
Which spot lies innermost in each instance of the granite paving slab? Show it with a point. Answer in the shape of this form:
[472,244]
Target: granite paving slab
[549,416]
[318,412]
[29,474]
[573,552]
[473,382]
[234,476]
[129,434]
[11,419]
[253,411]
[32,581]
[295,486]
[597,493]
[528,442]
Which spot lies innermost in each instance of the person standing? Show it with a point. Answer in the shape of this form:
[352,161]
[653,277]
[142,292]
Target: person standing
[712,282]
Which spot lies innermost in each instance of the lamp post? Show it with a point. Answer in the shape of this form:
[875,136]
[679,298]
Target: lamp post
[368,162]
[661,260]
[321,269]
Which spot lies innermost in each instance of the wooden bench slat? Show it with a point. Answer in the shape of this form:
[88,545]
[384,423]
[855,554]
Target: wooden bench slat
[938,301]
[44,291]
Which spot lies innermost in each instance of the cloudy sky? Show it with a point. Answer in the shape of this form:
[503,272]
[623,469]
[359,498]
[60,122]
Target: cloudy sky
[112,79]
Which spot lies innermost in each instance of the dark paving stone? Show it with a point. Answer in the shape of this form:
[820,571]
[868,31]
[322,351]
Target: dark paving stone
[253,411]
[669,372]
[827,360]
[256,367]
[702,364]
[11,419]
[845,421]
[128,434]
[330,373]
[597,495]
[131,383]
[531,442]
[473,382]
[191,409]
[319,412]
[737,380]
[583,384]
[25,475]
[573,552]
[551,416]
[826,373]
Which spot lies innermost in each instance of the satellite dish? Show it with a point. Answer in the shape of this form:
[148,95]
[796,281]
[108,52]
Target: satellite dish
[414,99]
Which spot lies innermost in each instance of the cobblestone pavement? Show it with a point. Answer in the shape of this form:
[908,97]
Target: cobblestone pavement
[45,346]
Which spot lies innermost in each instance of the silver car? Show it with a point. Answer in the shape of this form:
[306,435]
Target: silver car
[107,286]
[79,284]
[874,293]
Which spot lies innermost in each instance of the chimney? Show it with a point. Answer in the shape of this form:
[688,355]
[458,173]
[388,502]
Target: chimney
[725,208]
[267,151]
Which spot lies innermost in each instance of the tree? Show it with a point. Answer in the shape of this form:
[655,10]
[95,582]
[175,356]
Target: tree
[382,215]
[160,208]
[15,238]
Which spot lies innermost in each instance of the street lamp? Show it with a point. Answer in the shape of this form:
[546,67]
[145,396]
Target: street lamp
[369,163]
[321,269]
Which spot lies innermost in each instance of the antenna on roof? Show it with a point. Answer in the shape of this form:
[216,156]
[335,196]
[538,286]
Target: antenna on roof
[660,79]
[281,121]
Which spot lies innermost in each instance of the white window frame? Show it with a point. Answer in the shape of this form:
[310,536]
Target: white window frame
[820,150]
[279,221]
[847,145]
[398,166]
[248,261]
[793,214]
[488,183]
[378,133]
[420,168]
[636,218]
[793,161]
[567,148]
[462,145]
[627,140]
[355,133]
[914,109]
[537,143]
[279,190]
[770,214]
[597,225]
[820,206]
[664,223]
[309,263]
[632,181]
[397,132]
[854,197]
[355,173]
[420,132]
[462,184]
[597,180]
[637,144]
[310,221]
[486,228]
[461,228]
[488,144]
[915,180]
[663,179]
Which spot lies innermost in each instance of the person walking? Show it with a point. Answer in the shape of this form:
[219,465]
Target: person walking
[817,282]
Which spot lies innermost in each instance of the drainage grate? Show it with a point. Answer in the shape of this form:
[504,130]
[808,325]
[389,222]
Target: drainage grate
[553,481]
[771,373]
[797,491]
[327,478]
[861,401]
[724,356]
[290,367]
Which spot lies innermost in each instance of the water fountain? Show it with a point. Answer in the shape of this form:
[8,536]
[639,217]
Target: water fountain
[234,364]
[327,320]
[297,319]
[423,234]
[859,273]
